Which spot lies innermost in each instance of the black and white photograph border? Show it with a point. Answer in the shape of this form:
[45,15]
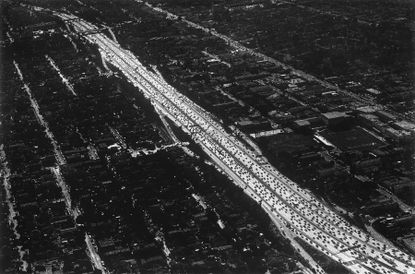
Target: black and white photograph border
[207,136]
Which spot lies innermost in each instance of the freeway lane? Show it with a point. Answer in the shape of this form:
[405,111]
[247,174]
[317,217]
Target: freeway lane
[234,155]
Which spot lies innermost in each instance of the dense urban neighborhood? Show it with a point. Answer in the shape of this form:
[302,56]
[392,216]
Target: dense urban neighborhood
[237,136]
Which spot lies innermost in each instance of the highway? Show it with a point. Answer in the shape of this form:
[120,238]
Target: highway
[303,213]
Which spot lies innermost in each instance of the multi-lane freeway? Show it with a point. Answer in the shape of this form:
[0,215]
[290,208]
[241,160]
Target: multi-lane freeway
[302,212]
